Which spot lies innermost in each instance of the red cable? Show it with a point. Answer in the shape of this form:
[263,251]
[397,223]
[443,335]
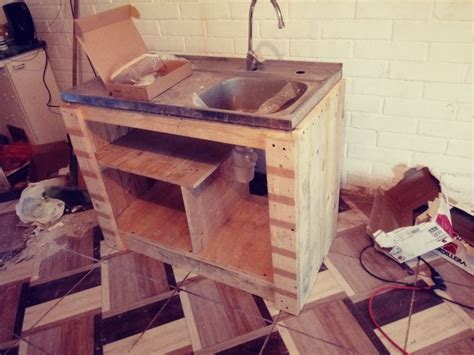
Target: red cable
[372,316]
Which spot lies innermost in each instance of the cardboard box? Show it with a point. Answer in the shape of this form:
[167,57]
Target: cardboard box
[461,251]
[111,40]
[399,228]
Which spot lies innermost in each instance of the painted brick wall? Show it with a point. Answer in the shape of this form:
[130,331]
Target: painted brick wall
[408,65]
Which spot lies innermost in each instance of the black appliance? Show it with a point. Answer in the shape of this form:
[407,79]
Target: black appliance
[20,22]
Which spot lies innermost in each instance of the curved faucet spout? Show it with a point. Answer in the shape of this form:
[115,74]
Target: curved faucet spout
[252,59]
[281,23]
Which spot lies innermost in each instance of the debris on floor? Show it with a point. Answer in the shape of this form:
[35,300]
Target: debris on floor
[13,237]
[39,242]
[413,218]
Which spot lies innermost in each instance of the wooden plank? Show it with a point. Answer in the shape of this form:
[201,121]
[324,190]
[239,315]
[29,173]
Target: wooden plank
[158,216]
[335,156]
[202,266]
[73,118]
[320,149]
[210,205]
[178,160]
[282,175]
[303,185]
[214,131]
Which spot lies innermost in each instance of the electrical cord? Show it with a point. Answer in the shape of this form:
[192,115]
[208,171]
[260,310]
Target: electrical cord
[435,276]
[398,285]
[372,315]
[46,61]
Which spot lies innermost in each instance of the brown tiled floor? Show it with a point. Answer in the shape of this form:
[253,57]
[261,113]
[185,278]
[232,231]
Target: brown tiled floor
[87,299]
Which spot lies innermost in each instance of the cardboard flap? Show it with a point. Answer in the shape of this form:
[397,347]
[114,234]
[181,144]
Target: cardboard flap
[92,22]
[110,39]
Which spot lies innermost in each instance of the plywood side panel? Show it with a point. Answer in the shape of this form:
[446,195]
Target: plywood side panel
[335,155]
[103,134]
[123,188]
[319,162]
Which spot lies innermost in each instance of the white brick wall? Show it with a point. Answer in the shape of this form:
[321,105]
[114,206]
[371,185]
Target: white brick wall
[408,65]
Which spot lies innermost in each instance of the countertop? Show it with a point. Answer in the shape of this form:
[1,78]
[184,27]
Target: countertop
[14,49]
[208,71]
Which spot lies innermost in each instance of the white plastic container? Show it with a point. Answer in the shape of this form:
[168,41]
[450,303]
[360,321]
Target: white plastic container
[243,162]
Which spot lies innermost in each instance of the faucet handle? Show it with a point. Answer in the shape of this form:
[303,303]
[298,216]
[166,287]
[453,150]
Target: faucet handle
[259,58]
[251,55]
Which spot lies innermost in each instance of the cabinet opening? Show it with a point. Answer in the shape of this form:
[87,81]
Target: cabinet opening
[243,241]
[157,216]
[179,196]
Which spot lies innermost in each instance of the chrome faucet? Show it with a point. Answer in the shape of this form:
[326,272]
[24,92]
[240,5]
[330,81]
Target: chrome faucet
[253,59]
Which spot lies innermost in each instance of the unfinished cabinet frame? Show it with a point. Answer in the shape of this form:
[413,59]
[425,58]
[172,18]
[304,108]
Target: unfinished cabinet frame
[163,187]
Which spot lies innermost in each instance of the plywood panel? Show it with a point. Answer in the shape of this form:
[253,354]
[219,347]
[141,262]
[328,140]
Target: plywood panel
[210,205]
[319,171]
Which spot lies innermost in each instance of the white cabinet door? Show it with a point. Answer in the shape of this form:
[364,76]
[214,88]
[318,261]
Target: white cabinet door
[26,73]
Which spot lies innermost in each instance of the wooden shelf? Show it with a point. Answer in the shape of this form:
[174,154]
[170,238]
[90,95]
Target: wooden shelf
[178,160]
[158,216]
[243,242]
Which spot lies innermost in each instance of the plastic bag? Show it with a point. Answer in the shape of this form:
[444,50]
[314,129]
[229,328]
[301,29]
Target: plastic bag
[33,207]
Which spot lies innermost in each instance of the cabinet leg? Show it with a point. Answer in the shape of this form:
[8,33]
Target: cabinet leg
[281,177]
[90,169]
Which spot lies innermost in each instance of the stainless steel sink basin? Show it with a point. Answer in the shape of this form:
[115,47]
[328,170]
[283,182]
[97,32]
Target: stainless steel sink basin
[262,95]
